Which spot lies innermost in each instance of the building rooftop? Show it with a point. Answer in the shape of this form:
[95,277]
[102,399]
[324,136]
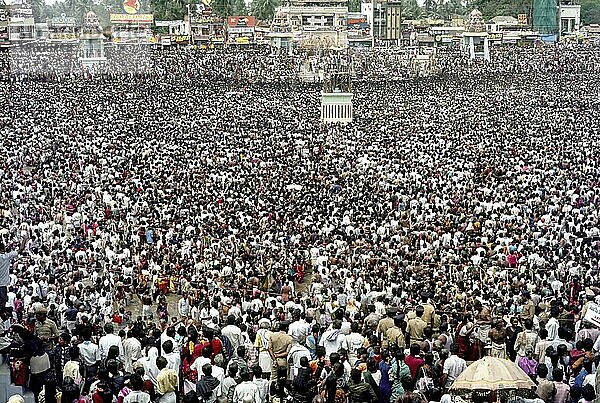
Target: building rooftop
[318,2]
[505,19]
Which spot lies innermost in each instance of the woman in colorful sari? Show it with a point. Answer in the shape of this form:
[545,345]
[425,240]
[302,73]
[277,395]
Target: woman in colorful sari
[397,371]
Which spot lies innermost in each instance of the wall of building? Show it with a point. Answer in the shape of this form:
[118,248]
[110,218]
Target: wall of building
[570,18]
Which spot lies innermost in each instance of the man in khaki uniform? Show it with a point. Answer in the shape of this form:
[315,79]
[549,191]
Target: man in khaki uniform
[394,334]
[415,327]
[428,308]
[385,324]
[528,307]
[589,296]
[45,329]
[279,347]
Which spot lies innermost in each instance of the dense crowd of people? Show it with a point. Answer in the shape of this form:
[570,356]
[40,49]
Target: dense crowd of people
[178,226]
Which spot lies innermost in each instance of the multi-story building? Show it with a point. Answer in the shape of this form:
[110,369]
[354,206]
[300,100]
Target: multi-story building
[3,27]
[569,18]
[205,28]
[393,23]
[63,28]
[312,23]
[21,24]
[385,17]
[241,30]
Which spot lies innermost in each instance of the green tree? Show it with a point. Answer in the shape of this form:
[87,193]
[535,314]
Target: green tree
[165,10]
[38,8]
[439,9]
[493,8]
[429,6]
[354,6]
[412,10]
[82,7]
[590,11]
[239,7]
[223,8]
[104,8]
[264,9]
[59,8]
[455,7]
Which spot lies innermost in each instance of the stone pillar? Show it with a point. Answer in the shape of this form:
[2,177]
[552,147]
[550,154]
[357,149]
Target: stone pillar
[486,48]
[472,47]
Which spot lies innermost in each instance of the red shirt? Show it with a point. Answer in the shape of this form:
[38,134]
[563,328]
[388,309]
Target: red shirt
[217,347]
[414,363]
[117,319]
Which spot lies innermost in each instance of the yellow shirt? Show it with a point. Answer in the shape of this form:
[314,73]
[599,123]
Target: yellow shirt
[394,335]
[428,312]
[167,381]
[415,329]
[384,325]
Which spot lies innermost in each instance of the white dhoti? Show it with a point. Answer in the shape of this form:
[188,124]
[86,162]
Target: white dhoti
[265,361]
[352,358]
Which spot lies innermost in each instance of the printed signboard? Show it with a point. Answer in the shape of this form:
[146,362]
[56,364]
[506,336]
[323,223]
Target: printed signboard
[132,18]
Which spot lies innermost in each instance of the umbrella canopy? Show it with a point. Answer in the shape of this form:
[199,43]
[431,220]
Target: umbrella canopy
[492,373]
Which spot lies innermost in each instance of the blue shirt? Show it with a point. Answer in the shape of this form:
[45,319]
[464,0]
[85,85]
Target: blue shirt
[580,378]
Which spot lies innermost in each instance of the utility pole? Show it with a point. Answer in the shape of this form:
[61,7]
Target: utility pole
[558,21]
[379,22]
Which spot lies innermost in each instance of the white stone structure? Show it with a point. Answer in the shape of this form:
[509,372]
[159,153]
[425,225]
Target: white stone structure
[570,18]
[336,107]
[91,41]
[475,38]
[336,98]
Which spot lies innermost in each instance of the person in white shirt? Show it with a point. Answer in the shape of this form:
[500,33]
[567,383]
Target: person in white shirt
[202,360]
[132,350]
[333,339]
[219,373]
[353,342]
[136,395]
[453,367]
[553,325]
[295,354]
[233,333]
[168,334]
[89,355]
[173,358]
[108,340]
[149,362]
[246,389]
[235,310]
[298,329]
[6,261]
[261,382]
[261,343]
[183,306]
